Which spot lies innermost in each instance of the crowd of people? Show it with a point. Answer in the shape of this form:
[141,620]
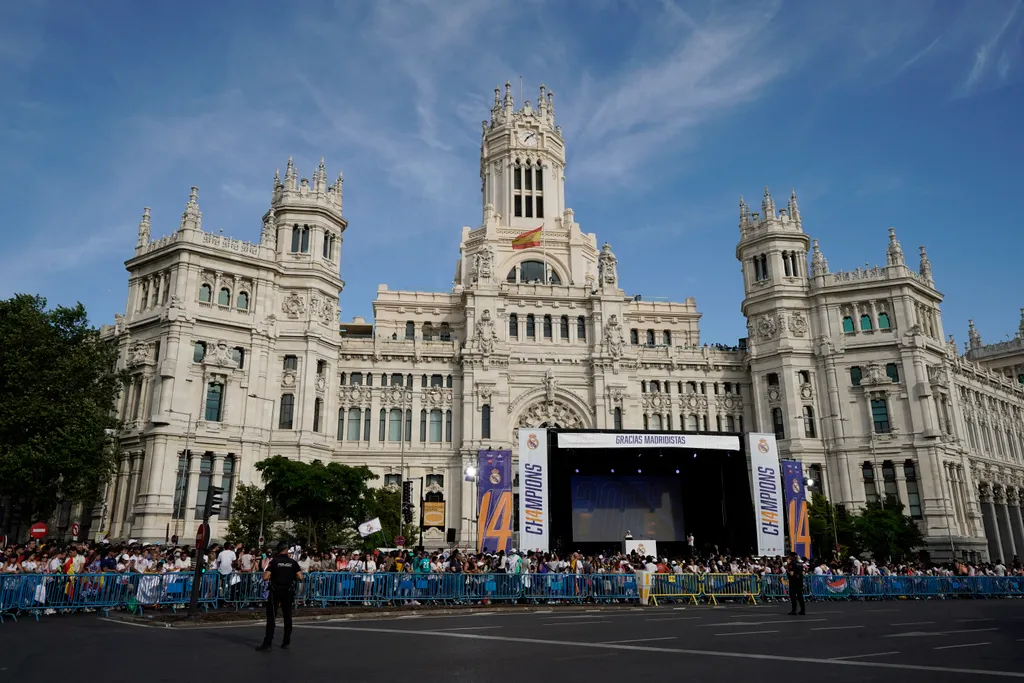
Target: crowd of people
[132,557]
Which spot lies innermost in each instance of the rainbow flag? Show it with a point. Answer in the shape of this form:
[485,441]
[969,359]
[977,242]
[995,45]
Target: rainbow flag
[528,239]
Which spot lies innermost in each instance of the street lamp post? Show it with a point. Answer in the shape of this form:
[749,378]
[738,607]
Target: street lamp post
[270,452]
[471,475]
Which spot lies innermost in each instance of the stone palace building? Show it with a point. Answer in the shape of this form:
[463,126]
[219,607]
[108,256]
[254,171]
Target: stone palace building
[237,354]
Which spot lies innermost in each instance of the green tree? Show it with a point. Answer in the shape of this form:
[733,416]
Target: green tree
[252,511]
[886,532]
[829,528]
[321,500]
[58,384]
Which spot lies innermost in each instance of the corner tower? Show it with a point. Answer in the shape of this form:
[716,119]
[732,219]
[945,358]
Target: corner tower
[522,162]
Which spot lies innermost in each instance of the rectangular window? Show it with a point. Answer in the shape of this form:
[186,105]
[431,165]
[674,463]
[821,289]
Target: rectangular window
[777,424]
[485,422]
[423,426]
[889,480]
[565,327]
[408,425]
[913,490]
[617,421]
[410,329]
[530,326]
[291,362]
[581,328]
[180,488]
[517,178]
[518,202]
[287,411]
[205,470]
[528,179]
[305,239]
[448,426]
[773,379]
[435,426]
[341,424]
[318,405]
[540,179]
[214,397]
[382,424]
[395,424]
[880,416]
[355,419]
[529,206]
[730,423]
[356,379]
[227,482]
[870,489]
[397,379]
[437,380]
[392,480]
[547,327]
[892,371]
[539,206]
[855,375]
[366,425]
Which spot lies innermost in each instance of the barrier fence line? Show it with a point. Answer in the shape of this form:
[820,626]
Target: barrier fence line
[37,594]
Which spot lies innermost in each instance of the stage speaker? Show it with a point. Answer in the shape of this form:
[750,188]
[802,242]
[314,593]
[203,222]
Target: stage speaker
[451,535]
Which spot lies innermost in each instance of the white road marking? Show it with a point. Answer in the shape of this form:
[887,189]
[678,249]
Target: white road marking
[917,634]
[681,651]
[469,628]
[574,616]
[765,623]
[834,628]
[185,627]
[637,640]
[950,647]
[912,623]
[870,654]
[744,633]
[671,618]
[964,621]
[573,623]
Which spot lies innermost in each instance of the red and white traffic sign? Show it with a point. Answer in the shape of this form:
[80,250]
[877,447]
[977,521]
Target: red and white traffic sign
[261,541]
[75,530]
[202,534]
[400,541]
[39,530]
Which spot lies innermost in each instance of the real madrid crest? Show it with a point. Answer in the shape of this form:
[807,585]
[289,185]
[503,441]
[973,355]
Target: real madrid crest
[532,442]
[495,477]
[762,446]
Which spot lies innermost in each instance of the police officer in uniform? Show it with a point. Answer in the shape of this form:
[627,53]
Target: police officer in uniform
[795,573]
[281,575]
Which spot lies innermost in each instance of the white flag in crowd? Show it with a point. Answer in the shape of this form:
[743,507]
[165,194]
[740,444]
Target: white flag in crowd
[371,527]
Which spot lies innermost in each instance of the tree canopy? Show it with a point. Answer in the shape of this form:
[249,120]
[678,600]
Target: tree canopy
[58,385]
[881,530]
[321,499]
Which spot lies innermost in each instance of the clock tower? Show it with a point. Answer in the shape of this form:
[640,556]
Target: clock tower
[522,162]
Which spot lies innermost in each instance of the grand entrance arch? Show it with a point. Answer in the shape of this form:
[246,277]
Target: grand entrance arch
[555,413]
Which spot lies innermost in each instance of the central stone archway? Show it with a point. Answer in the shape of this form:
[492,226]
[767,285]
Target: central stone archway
[555,414]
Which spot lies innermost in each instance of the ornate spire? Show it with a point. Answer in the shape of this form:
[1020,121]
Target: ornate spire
[542,103]
[497,99]
[926,267]
[973,335]
[320,177]
[744,214]
[192,218]
[144,228]
[290,175]
[277,178]
[894,253]
[551,104]
[794,210]
[268,237]
[509,103]
[768,205]
[819,264]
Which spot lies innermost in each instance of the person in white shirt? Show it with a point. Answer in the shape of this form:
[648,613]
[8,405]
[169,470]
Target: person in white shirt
[225,565]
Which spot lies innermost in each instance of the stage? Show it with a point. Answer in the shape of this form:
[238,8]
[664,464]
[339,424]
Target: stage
[661,486]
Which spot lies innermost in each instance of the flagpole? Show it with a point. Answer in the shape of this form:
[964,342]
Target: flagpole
[544,254]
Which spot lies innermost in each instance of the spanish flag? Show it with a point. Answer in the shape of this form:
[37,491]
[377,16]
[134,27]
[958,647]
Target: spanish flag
[528,239]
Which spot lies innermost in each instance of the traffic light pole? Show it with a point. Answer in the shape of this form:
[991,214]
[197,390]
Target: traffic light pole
[214,501]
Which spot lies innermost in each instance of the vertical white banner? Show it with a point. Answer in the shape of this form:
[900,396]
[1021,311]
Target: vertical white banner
[534,521]
[766,480]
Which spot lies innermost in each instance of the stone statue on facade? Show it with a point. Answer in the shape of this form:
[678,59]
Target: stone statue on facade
[269,236]
[550,384]
[484,266]
[606,264]
[293,306]
[486,336]
[613,338]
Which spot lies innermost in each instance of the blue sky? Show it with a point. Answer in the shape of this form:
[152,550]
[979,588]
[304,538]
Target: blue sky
[904,114]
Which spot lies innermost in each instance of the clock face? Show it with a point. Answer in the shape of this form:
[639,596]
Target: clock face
[527,138]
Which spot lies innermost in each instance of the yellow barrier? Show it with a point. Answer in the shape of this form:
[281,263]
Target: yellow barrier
[731,586]
[675,586]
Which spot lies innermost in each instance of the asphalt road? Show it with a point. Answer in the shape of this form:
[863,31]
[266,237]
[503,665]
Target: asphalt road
[956,640]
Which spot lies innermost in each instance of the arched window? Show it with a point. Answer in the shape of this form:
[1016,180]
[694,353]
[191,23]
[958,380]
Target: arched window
[531,271]
[511,277]
[205,293]
[634,337]
[513,326]
[848,325]
[410,329]
[355,421]
[865,323]
[855,375]
[581,330]
[199,352]
[564,327]
[531,326]
[305,239]
[883,321]
[327,246]
[809,429]
[787,264]
[547,327]
[892,371]
[485,422]
[395,425]
[617,420]
[224,297]
[777,424]
[655,421]
[243,301]
[650,337]
[446,332]
[296,237]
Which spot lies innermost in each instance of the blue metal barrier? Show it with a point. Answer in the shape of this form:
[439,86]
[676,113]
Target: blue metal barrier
[36,594]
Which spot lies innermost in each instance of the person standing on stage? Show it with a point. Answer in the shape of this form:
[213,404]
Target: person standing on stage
[281,575]
[795,572]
